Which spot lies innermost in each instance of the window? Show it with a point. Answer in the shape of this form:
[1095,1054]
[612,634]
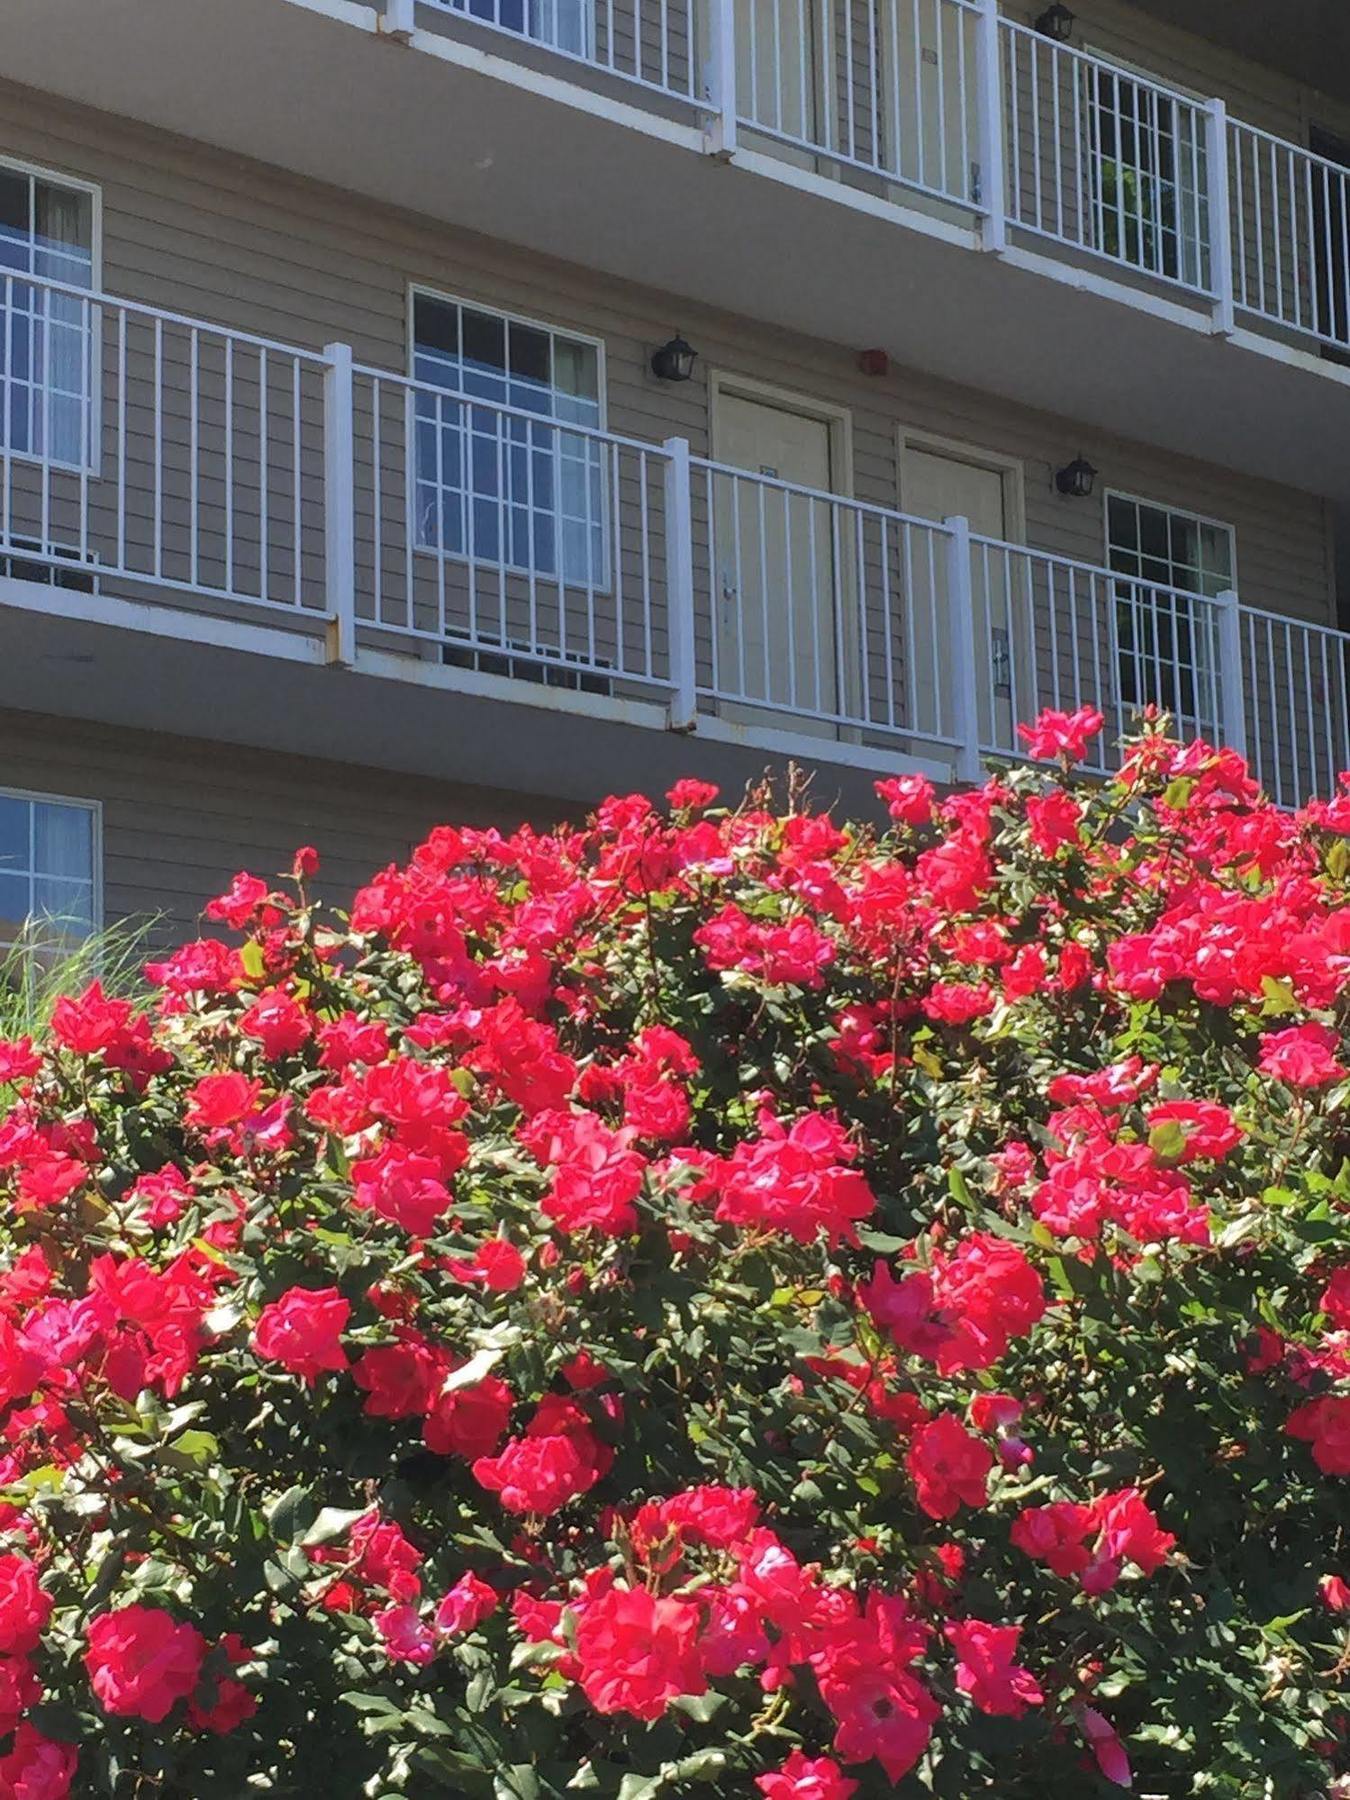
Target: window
[1165,651]
[1146,176]
[49,880]
[47,229]
[561,24]
[504,487]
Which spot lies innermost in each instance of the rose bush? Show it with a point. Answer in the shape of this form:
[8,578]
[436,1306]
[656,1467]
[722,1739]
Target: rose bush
[717,1302]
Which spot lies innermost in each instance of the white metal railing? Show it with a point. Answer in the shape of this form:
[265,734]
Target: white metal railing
[517,542]
[821,609]
[1294,678]
[1291,234]
[1063,633]
[148,450]
[979,114]
[145,454]
[886,87]
[1105,160]
[650,42]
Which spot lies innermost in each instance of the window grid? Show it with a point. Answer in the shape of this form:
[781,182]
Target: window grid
[50,878]
[1164,644]
[560,24]
[499,488]
[47,229]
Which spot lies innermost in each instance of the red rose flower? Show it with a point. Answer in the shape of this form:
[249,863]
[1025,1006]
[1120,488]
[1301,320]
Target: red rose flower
[1301,1056]
[540,1474]
[218,1101]
[908,798]
[19,1689]
[1207,1128]
[597,1174]
[1335,1299]
[1055,1535]
[37,1767]
[24,1607]
[689,795]
[1325,1424]
[469,1421]
[240,901]
[405,1636]
[638,1653]
[883,1713]
[949,1465]
[496,1264]
[142,1662]
[805,1777]
[400,1380]
[986,1670]
[466,1605]
[278,1021]
[1061,735]
[303,1332]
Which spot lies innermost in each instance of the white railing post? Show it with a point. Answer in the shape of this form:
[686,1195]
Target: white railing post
[990,137]
[683,707]
[720,135]
[339,502]
[1220,217]
[1232,697]
[398,20]
[965,660]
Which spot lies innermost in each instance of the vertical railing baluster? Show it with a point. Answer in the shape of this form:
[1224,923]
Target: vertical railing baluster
[339,501]
[229,465]
[158,426]
[720,131]
[967,688]
[264,480]
[993,195]
[121,429]
[680,625]
[1220,226]
[1232,707]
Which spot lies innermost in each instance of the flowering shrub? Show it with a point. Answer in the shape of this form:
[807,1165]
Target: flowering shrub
[718,1302]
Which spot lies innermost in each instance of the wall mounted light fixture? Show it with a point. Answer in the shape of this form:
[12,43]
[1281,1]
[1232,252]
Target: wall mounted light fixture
[674,361]
[1056,22]
[1076,478]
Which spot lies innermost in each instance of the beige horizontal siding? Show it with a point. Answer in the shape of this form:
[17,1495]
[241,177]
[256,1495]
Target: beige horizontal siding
[180,816]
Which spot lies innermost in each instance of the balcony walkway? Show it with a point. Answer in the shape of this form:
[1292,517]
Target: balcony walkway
[153,459]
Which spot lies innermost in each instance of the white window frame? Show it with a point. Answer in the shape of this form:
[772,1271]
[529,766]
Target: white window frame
[95,810]
[1198,673]
[1166,506]
[422,290]
[60,178]
[1149,79]
[587,7]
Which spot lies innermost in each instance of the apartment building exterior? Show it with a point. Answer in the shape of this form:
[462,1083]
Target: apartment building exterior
[470,407]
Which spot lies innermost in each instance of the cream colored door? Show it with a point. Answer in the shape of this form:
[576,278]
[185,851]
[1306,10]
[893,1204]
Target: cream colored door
[927,125]
[775,581]
[778,74]
[940,486]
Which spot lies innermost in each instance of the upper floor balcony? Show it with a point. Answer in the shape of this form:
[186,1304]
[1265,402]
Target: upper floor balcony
[1047,221]
[223,491]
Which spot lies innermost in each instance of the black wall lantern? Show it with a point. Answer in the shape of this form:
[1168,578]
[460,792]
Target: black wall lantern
[1076,478]
[1056,22]
[674,361]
